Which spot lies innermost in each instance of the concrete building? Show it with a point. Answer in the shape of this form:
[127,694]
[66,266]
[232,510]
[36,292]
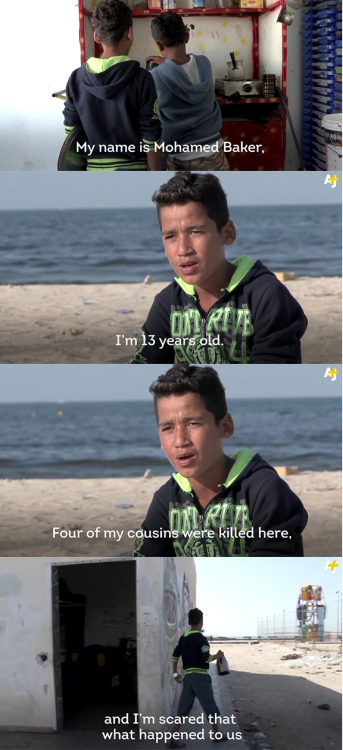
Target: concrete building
[81,639]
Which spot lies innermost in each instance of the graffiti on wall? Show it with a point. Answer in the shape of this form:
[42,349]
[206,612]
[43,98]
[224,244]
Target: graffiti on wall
[177,601]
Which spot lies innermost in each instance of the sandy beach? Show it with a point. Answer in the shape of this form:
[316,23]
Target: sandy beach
[283,698]
[30,508]
[84,323]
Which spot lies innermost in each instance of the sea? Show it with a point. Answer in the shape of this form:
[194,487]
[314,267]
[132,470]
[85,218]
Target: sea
[120,439]
[112,246]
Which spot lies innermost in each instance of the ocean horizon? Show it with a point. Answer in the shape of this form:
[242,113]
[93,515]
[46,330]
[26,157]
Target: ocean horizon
[120,439]
[124,245]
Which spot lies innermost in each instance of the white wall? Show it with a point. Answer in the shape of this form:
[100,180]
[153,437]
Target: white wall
[31,123]
[214,37]
[39,50]
[270,37]
[27,695]
[158,634]
[156,637]
[149,657]
[178,597]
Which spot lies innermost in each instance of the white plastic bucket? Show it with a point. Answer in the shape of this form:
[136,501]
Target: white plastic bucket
[332,125]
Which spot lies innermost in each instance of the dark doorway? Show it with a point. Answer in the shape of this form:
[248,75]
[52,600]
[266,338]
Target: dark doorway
[95,656]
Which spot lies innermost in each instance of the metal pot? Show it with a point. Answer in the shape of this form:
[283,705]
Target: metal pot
[236,73]
[286,17]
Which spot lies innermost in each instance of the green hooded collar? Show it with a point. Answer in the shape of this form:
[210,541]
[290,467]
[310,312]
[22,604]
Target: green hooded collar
[97,65]
[243,266]
[242,458]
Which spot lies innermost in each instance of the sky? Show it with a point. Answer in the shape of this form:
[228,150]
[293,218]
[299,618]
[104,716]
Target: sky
[51,383]
[233,593]
[62,190]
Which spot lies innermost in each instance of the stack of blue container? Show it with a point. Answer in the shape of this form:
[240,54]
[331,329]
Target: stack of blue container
[322,75]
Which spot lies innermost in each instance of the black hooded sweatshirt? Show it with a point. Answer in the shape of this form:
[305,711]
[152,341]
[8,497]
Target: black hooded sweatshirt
[256,321]
[254,500]
[193,647]
[116,107]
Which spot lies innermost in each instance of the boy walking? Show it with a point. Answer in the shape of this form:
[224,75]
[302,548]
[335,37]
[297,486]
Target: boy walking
[194,650]
[190,114]
[215,311]
[213,505]
[114,99]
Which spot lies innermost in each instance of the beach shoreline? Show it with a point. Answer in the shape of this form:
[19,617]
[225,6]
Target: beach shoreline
[31,508]
[88,323]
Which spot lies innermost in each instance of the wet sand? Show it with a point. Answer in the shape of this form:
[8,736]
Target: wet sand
[84,323]
[30,508]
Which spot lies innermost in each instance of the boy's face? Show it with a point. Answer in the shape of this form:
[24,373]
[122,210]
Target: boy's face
[192,243]
[190,438]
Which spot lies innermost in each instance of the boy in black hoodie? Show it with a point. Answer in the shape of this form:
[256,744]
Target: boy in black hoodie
[213,505]
[194,650]
[215,311]
[114,99]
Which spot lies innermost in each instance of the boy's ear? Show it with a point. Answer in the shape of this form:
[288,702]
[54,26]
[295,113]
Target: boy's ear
[187,38]
[96,39]
[160,46]
[229,233]
[129,33]
[227,427]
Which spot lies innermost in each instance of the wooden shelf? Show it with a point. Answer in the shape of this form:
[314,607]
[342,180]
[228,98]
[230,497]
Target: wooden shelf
[209,11]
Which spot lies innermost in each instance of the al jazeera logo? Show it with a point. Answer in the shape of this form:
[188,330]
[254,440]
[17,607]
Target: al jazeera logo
[332,374]
[331,566]
[331,180]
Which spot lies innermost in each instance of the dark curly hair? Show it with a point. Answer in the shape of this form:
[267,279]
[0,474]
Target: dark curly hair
[169,29]
[200,188]
[111,18]
[182,379]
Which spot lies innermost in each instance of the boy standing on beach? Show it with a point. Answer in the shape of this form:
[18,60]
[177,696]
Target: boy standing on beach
[114,99]
[189,111]
[214,505]
[194,650]
[214,311]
